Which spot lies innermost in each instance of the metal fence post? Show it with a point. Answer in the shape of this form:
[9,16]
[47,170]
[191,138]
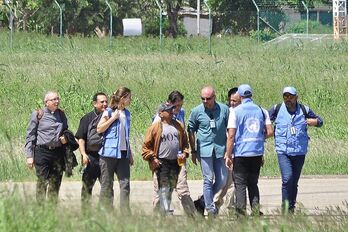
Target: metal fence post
[307,12]
[60,20]
[110,30]
[210,24]
[258,20]
[161,12]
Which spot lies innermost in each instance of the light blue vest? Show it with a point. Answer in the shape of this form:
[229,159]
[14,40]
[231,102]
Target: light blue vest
[290,136]
[111,141]
[249,138]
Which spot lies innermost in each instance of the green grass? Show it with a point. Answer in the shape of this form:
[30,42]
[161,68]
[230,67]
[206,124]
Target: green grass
[34,217]
[78,67]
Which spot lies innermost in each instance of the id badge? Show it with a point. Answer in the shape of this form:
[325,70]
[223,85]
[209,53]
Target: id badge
[293,130]
[212,123]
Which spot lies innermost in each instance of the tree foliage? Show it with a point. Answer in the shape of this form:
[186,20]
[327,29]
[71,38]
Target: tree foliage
[85,16]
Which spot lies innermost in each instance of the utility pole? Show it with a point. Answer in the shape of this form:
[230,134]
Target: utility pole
[339,13]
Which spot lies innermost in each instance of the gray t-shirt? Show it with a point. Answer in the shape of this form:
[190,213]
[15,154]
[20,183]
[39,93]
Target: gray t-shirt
[169,145]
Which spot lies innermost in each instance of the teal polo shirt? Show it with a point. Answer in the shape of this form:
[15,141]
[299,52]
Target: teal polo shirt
[209,139]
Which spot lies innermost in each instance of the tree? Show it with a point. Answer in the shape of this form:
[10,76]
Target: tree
[173,7]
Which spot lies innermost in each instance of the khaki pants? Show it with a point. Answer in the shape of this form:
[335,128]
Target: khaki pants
[226,192]
[181,189]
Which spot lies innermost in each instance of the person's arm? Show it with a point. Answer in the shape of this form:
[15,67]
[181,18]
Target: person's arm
[192,141]
[148,149]
[83,153]
[106,121]
[268,128]
[191,130]
[229,148]
[313,119]
[31,139]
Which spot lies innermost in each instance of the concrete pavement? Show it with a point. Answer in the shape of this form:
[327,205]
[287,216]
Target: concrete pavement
[315,193]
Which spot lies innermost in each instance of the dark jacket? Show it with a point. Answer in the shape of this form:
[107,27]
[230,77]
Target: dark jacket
[70,158]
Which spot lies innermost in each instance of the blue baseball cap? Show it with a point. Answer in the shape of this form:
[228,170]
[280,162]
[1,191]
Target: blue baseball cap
[245,90]
[290,90]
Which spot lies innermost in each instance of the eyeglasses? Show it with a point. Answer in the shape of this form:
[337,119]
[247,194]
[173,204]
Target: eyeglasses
[289,96]
[206,98]
[105,101]
[53,99]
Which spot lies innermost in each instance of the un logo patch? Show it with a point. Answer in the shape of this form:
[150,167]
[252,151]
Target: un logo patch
[253,125]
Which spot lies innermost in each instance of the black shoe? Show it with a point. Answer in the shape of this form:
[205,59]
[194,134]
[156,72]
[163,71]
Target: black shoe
[199,206]
[257,214]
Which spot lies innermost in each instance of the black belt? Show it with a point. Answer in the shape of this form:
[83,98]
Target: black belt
[48,147]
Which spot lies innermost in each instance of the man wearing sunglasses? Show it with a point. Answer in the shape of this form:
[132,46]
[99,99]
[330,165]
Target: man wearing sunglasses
[291,120]
[207,127]
[90,159]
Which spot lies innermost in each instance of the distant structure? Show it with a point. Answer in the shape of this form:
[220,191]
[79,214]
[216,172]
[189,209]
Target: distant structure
[339,8]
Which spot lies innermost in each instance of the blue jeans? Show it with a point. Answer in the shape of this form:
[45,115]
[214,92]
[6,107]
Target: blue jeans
[214,174]
[290,169]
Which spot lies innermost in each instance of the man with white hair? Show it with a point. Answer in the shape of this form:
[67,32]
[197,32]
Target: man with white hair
[44,147]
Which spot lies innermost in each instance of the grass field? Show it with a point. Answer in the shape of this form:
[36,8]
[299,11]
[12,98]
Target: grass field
[78,67]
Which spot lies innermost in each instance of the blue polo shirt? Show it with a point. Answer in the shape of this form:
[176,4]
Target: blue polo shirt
[209,139]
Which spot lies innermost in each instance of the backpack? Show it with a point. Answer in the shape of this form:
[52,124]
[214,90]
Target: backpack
[94,139]
[303,108]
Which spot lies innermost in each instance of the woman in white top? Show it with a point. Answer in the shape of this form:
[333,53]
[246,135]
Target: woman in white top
[115,154]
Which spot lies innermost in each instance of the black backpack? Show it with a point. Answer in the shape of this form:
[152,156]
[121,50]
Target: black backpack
[94,139]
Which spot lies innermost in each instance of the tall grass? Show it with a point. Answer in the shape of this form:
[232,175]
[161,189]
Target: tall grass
[35,217]
[78,67]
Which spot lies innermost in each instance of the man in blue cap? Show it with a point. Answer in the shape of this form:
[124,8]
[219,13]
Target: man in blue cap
[291,120]
[248,126]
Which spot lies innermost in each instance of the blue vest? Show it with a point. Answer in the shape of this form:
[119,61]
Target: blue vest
[250,123]
[290,136]
[111,141]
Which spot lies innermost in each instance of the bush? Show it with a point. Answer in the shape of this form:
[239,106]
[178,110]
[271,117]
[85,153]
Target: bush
[264,35]
[314,27]
[152,26]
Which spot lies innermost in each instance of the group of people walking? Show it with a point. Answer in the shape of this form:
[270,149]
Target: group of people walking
[227,140]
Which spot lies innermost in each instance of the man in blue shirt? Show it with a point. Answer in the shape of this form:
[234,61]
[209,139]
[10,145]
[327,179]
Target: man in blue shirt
[291,120]
[248,126]
[207,126]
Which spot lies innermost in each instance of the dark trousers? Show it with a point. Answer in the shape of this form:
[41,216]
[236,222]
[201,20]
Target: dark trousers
[246,171]
[49,165]
[109,167]
[90,175]
[167,176]
[290,169]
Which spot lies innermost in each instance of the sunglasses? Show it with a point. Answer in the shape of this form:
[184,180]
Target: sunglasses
[206,98]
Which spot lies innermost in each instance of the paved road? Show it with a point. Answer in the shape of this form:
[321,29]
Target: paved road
[315,193]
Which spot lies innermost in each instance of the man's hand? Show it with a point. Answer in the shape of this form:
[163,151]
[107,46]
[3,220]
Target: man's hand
[312,121]
[154,164]
[229,162]
[85,160]
[194,157]
[30,162]
[63,139]
[131,160]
